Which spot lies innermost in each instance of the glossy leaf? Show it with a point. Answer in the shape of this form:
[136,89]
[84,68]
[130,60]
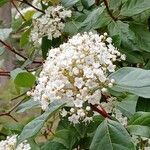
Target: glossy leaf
[126,35]
[33,127]
[139,124]
[25,79]
[142,35]
[132,80]
[69,3]
[133,7]
[128,105]
[111,135]
[66,137]
[91,19]
[52,145]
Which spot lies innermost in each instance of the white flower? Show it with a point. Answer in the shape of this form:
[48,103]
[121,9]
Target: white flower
[74,119]
[109,40]
[49,24]
[80,112]
[79,82]
[88,108]
[77,73]
[11,142]
[78,103]
[123,57]
[75,70]
[64,113]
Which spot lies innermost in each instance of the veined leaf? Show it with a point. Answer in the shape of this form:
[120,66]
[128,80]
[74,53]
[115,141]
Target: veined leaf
[132,80]
[33,127]
[111,135]
[91,19]
[133,7]
[139,124]
[126,35]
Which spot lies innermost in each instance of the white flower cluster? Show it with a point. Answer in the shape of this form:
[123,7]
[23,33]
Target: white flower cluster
[110,108]
[77,73]
[10,144]
[49,24]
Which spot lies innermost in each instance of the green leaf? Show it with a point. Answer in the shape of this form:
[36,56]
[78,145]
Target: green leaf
[142,17]
[94,124]
[69,3]
[46,45]
[2,2]
[66,137]
[140,118]
[28,15]
[132,80]
[87,3]
[33,144]
[52,145]
[81,129]
[126,35]
[4,33]
[103,20]
[128,105]
[139,124]
[115,4]
[25,38]
[133,7]
[72,27]
[33,127]
[91,19]
[143,104]
[142,36]
[111,135]
[133,56]
[143,131]
[27,105]
[25,79]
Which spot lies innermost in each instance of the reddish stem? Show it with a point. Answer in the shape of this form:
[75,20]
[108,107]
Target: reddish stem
[101,111]
[26,2]
[108,10]
[4,73]
[18,10]
[15,52]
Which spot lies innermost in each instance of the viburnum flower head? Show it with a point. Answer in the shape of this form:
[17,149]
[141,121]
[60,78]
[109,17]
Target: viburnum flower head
[11,142]
[49,24]
[77,73]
